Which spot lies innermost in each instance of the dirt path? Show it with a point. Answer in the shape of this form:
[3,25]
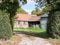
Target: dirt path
[31,40]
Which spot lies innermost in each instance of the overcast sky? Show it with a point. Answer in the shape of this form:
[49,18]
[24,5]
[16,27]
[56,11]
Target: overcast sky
[29,6]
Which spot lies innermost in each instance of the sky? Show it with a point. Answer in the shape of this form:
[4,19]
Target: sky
[29,7]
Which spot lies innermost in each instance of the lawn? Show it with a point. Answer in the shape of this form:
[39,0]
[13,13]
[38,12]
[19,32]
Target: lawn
[36,30]
[32,31]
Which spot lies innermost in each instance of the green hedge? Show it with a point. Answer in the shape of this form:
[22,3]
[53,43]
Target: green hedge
[53,26]
[5,27]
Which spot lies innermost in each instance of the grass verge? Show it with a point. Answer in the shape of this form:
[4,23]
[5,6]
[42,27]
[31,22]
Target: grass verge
[12,41]
[37,30]
[54,41]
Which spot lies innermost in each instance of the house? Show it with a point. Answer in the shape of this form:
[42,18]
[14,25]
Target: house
[43,21]
[26,20]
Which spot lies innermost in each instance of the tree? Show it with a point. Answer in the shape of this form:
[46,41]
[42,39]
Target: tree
[8,10]
[53,25]
[5,27]
[21,11]
[33,12]
[37,12]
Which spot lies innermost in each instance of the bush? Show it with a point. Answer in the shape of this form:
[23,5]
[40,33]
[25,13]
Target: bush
[5,27]
[53,27]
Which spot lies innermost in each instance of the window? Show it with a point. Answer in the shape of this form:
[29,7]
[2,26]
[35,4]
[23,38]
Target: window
[25,23]
[18,22]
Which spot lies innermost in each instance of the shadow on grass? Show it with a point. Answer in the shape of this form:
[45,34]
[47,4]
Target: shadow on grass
[42,34]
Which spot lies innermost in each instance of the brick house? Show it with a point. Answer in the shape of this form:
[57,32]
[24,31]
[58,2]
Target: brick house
[26,20]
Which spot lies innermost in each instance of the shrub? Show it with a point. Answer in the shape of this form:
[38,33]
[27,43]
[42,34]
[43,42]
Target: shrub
[5,27]
[53,27]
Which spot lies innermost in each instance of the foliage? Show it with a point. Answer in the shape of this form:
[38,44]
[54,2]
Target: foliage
[23,2]
[21,11]
[37,12]
[10,7]
[33,12]
[54,3]
[47,8]
[53,26]
[5,27]
[51,5]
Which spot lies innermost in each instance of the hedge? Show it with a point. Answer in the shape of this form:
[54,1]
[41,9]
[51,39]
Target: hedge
[5,27]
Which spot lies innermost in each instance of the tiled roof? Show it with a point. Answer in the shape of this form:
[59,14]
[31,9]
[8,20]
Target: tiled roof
[27,17]
[45,15]
[34,18]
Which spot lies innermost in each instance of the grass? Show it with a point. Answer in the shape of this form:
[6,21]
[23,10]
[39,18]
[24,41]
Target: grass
[54,41]
[11,41]
[37,30]
[32,31]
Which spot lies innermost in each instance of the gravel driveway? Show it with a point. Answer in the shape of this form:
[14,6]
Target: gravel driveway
[31,40]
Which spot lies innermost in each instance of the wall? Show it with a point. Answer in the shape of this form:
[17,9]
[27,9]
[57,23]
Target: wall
[43,22]
[20,24]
